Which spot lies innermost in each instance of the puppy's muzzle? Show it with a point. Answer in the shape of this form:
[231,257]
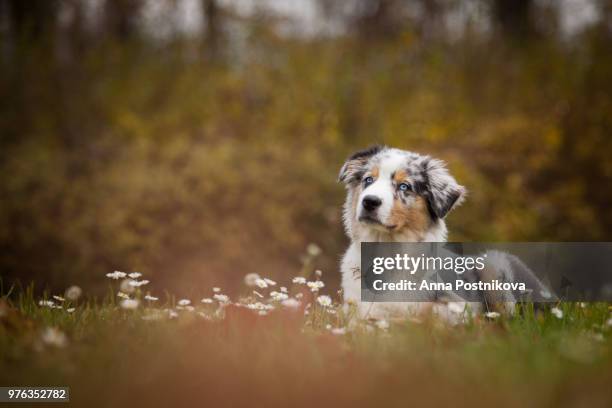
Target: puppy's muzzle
[371,203]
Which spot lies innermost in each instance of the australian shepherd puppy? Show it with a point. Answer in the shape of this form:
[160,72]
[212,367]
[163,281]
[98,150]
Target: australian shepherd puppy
[394,196]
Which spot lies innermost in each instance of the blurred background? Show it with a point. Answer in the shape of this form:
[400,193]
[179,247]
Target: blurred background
[199,140]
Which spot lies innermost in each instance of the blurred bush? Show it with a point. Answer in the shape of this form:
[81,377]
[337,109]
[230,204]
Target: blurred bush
[197,158]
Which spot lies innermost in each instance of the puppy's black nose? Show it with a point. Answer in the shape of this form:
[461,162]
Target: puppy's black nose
[370,203]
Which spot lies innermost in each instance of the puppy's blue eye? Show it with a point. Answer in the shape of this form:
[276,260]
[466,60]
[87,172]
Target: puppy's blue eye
[404,187]
[368,181]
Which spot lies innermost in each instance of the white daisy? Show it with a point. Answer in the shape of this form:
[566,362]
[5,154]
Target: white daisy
[313,250]
[137,284]
[261,283]
[58,298]
[207,300]
[558,313]
[324,300]
[54,337]
[116,275]
[221,298]
[278,296]
[135,275]
[492,315]
[70,310]
[150,298]
[123,295]
[184,302]
[216,290]
[270,282]
[73,293]
[46,303]
[315,285]
[299,280]
[250,279]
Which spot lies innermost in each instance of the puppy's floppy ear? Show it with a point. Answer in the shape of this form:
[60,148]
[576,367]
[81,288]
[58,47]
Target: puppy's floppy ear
[441,190]
[352,170]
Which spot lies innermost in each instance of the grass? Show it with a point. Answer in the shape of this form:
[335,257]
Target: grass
[167,353]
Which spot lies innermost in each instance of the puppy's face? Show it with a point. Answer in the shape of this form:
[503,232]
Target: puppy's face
[396,191]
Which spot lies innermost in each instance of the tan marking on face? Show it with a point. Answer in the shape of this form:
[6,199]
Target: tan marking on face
[375,172]
[400,176]
[414,217]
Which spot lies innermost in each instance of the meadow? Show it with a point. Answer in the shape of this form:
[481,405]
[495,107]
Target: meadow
[202,156]
[290,343]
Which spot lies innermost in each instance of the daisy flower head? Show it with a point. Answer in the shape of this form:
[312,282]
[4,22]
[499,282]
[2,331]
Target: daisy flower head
[184,302]
[324,300]
[299,280]
[313,250]
[250,279]
[52,336]
[73,293]
[221,298]
[116,275]
[138,284]
[558,313]
[261,283]
[278,296]
[207,300]
[135,275]
[315,285]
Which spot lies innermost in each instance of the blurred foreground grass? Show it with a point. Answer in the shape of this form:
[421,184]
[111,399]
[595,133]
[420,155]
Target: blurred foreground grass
[163,353]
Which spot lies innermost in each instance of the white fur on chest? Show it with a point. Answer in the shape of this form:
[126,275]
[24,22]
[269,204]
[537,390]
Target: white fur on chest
[351,280]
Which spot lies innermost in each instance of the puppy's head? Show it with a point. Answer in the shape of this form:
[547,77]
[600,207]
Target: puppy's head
[397,192]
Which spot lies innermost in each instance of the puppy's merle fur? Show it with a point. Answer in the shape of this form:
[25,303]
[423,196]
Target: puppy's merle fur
[400,196]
